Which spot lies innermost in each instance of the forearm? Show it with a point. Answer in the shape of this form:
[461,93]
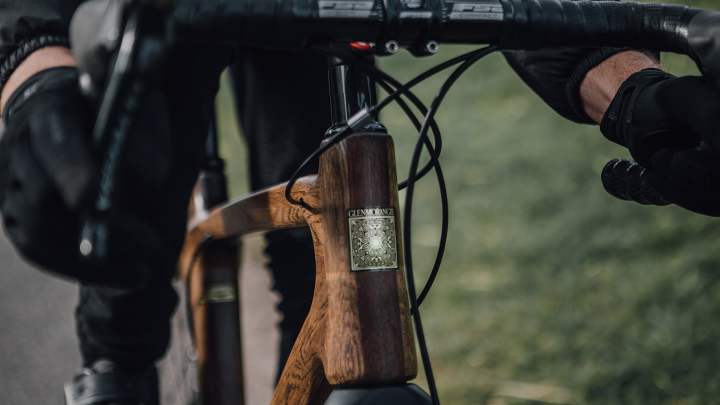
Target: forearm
[601,83]
[42,59]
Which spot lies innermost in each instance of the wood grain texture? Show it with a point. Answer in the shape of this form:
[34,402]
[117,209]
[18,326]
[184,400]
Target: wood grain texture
[368,338]
[303,378]
[262,211]
[358,331]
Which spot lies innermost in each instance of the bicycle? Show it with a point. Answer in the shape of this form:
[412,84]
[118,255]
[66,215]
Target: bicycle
[351,206]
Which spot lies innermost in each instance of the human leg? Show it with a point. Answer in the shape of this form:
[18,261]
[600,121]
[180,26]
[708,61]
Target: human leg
[282,102]
[131,326]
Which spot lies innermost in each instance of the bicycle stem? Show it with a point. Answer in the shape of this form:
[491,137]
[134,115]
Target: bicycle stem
[351,91]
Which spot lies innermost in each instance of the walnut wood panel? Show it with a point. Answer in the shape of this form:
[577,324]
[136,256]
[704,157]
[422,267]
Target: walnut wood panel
[368,337]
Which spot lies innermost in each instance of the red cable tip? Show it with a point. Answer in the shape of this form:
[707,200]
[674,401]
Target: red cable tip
[361,46]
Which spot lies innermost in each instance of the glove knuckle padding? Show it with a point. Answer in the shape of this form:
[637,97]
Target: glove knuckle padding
[48,171]
[635,119]
[629,181]
[670,125]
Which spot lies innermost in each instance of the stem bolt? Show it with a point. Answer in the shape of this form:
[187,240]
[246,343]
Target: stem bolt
[428,48]
[390,48]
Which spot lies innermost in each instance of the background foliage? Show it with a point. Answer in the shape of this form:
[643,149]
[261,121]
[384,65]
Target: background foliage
[552,291]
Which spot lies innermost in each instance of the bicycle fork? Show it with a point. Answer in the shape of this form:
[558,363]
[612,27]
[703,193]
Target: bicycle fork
[213,292]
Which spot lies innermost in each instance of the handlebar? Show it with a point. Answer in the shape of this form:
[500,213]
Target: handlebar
[515,24]
[510,24]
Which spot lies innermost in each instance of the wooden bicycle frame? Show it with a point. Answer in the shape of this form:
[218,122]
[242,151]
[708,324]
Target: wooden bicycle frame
[358,331]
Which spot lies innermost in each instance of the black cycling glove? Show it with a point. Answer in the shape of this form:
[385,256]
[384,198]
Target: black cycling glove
[48,175]
[672,128]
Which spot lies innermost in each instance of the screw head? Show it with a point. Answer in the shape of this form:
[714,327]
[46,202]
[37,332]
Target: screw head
[432,47]
[391,47]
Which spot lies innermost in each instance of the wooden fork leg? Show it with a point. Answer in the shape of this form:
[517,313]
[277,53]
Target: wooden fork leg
[303,379]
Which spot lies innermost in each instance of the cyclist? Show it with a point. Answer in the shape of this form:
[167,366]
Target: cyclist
[124,311]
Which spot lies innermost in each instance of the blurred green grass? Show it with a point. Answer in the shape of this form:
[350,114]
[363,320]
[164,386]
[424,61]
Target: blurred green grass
[551,290]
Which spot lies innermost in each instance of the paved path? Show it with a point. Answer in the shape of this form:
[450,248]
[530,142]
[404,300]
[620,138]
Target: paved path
[37,346]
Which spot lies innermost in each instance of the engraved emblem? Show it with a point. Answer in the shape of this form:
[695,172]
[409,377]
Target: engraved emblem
[373,240]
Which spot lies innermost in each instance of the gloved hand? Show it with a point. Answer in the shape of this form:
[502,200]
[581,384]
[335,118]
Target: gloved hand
[672,128]
[48,177]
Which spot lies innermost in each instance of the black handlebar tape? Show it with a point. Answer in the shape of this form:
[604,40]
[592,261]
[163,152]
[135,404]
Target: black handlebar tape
[279,23]
[510,24]
[529,24]
[516,24]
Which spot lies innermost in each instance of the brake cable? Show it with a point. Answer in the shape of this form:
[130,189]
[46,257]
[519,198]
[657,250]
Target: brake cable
[407,215]
[390,85]
[347,131]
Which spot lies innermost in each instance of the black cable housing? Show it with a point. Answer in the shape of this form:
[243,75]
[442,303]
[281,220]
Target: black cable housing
[390,85]
[407,223]
[335,139]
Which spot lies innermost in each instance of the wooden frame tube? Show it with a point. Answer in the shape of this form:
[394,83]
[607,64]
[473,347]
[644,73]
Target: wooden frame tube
[358,331]
[369,339]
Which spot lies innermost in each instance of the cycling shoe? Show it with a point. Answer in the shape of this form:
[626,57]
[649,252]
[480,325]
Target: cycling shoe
[106,383]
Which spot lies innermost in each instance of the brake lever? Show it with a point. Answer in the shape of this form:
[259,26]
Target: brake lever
[138,53]
[110,132]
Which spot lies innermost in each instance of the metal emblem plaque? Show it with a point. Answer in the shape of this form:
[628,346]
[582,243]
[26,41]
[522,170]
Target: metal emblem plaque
[373,239]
